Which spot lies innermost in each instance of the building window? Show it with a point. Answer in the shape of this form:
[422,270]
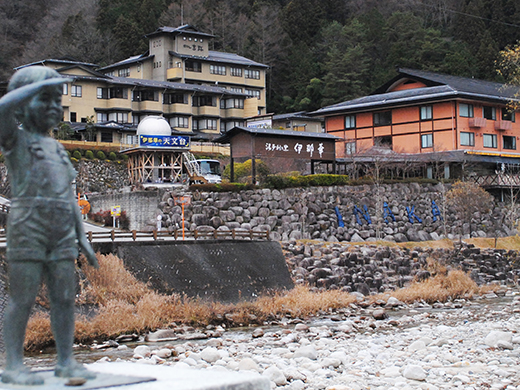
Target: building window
[237,72]
[489,113]
[73,117]
[383,118]
[467,139]
[253,93]
[180,121]
[350,121]
[426,113]
[65,89]
[427,140]
[490,140]
[205,124]
[146,95]
[119,117]
[508,115]
[217,69]
[350,147]
[107,136]
[252,74]
[193,66]
[101,117]
[235,89]
[509,142]
[466,110]
[200,101]
[175,98]
[231,103]
[75,90]
[124,72]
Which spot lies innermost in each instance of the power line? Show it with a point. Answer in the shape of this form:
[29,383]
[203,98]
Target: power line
[471,15]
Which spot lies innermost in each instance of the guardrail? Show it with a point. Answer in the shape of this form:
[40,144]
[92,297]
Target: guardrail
[177,235]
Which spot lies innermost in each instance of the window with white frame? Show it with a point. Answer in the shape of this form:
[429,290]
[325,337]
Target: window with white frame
[426,113]
[231,103]
[427,140]
[236,72]
[350,121]
[350,147]
[252,74]
[217,69]
[101,117]
[253,93]
[65,89]
[125,72]
[489,112]
[119,117]
[235,89]
[75,90]
[467,138]
[206,124]
[180,121]
[490,140]
[466,110]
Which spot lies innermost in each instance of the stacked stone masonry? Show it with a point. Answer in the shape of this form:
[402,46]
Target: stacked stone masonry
[310,213]
[369,268]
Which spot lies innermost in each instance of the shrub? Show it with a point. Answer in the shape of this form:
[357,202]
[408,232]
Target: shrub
[76,154]
[106,219]
[89,154]
[101,155]
[112,156]
[286,181]
[243,171]
[125,157]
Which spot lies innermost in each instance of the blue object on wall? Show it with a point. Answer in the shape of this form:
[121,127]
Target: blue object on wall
[365,215]
[435,211]
[340,218]
[387,212]
[411,214]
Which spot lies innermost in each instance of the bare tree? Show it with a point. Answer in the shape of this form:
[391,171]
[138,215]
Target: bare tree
[467,198]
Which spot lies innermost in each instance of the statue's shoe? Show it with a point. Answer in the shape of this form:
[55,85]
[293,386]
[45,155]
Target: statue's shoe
[21,377]
[74,370]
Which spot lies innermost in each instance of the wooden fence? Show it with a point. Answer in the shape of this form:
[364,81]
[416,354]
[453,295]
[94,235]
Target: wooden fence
[177,235]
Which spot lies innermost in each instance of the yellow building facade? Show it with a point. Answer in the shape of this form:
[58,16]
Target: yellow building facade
[199,91]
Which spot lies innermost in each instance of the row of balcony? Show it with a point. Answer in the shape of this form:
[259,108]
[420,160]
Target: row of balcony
[499,125]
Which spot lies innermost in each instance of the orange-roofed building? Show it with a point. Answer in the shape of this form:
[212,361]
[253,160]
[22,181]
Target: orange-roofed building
[420,113]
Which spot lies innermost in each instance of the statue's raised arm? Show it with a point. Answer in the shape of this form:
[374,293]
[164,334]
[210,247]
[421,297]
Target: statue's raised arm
[11,104]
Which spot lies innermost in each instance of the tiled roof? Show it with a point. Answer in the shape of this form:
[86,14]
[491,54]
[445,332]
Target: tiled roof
[438,87]
[187,28]
[218,56]
[64,62]
[127,61]
[260,130]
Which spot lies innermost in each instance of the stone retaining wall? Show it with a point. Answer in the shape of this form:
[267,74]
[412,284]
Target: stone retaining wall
[371,269]
[309,213]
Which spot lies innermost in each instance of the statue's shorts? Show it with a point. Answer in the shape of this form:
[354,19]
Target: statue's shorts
[41,229]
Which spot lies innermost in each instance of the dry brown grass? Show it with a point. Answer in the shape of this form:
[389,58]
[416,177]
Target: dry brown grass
[440,288]
[126,305]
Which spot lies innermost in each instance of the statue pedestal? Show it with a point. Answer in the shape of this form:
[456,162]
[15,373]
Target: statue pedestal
[135,376]
[170,377]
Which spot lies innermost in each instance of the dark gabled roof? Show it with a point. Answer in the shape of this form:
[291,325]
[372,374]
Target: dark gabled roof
[221,57]
[185,29]
[438,87]
[296,115]
[225,138]
[64,62]
[127,61]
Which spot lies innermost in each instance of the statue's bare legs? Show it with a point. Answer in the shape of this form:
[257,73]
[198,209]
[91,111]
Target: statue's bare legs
[25,279]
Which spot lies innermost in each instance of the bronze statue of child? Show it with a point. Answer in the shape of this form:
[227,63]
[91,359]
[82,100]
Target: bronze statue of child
[44,227]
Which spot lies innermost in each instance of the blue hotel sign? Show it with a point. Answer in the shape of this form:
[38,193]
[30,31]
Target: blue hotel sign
[165,141]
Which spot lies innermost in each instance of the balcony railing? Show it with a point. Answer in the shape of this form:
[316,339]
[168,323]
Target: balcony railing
[498,181]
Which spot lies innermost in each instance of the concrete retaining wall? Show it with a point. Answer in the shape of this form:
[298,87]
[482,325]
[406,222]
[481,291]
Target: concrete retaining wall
[224,271]
[141,207]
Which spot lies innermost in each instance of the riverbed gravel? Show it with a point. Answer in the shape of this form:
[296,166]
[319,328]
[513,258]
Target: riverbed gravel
[465,344]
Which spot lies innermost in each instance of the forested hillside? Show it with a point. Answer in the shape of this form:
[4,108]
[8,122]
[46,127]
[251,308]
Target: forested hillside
[320,51]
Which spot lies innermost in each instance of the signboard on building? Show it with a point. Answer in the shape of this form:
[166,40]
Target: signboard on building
[165,141]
